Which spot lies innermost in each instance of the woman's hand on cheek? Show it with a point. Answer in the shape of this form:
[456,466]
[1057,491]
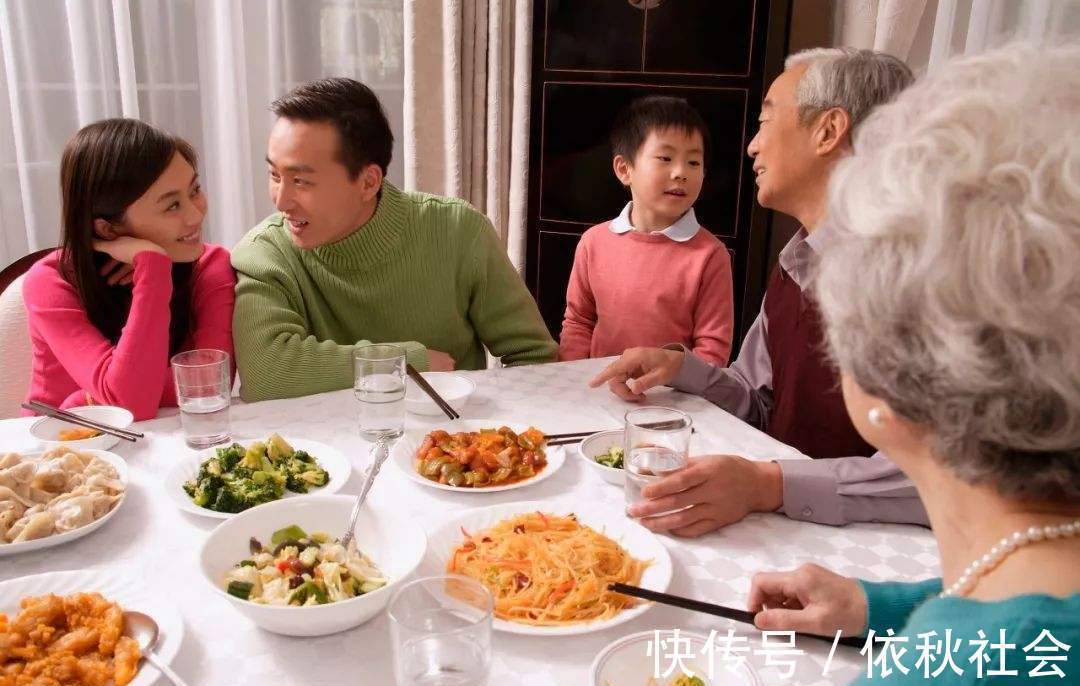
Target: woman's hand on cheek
[125,248]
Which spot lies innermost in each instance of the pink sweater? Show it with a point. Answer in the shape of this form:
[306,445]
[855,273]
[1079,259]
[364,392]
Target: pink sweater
[635,289]
[72,359]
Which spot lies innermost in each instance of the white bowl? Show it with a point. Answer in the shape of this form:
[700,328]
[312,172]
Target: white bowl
[454,389]
[631,660]
[395,545]
[46,429]
[598,444]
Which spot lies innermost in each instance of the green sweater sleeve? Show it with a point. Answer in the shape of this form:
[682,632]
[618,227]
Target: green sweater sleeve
[889,604]
[501,309]
[276,355]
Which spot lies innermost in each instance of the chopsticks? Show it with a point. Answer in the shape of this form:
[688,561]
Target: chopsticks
[716,610]
[65,416]
[579,436]
[426,388]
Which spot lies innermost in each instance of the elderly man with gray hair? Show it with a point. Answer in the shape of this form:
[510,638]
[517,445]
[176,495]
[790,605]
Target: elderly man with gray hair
[782,382]
[958,357]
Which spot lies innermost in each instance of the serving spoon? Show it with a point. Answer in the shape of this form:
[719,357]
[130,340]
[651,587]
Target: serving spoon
[382,451]
[144,630]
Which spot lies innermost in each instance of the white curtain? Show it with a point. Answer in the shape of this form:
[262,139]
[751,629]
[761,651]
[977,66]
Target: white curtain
[926,33]
[467,107]
[204,69]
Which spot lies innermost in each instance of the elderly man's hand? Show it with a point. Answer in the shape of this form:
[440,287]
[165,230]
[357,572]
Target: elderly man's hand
[810,599]
[639,369]
[716,490]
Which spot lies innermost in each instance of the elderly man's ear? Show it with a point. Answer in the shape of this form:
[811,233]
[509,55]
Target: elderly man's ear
[833,132]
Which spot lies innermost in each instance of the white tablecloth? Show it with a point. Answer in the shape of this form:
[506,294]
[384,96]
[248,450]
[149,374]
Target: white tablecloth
[151,539]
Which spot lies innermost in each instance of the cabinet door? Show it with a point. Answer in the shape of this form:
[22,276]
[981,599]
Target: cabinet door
[577,181]
[699,37]
[555,260]
[593,35]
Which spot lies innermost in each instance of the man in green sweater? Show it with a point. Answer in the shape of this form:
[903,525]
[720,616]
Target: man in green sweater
[350,259]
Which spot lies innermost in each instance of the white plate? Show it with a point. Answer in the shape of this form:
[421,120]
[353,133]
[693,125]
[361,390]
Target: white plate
[453,388]
[634,538]
[59,539]
[130,593]
[404,450]
[46,429]
[337,466]
[628,662]
[598,444]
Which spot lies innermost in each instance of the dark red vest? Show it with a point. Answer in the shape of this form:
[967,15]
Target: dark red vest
[808,407]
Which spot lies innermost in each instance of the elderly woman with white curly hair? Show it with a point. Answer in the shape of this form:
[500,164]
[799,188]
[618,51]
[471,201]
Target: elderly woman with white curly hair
[959,351]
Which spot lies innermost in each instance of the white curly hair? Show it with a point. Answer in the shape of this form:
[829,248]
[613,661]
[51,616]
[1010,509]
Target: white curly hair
[952,289]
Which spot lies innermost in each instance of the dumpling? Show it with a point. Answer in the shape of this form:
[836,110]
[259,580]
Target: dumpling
[8,494]
[51,476]
[9,460]
[17,474]
[74,512]
[36,526]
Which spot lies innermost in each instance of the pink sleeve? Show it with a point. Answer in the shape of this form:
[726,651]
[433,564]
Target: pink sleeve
[575,341]
[714,313]
[212,298]
[130,374]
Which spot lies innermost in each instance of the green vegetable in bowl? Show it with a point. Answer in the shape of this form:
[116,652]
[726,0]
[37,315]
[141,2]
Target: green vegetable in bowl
[612,458]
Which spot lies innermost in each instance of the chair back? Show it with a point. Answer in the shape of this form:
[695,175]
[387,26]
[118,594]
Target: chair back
[16,352]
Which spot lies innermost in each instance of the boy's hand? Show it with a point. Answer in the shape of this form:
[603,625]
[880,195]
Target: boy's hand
[639,369]
[810,599]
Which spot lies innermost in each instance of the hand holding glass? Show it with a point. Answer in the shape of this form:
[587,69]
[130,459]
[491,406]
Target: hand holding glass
[656,443]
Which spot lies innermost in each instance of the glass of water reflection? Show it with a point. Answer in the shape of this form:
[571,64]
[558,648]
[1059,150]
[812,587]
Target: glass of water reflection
[440,627]
[379,386]
[656,443]
[203,387]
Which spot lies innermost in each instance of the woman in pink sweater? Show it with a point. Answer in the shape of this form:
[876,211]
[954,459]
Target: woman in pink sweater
[132,283]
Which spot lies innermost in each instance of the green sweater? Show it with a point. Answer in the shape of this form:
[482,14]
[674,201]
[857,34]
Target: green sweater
[911,609]
[423,271]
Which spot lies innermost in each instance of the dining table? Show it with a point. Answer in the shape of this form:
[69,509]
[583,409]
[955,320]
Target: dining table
[150,541]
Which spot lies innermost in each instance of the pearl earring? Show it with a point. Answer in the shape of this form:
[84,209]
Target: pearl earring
[876,417]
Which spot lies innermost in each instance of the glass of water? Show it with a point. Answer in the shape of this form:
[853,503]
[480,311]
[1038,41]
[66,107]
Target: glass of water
[440,627]
[379,386]
[203,387]
[656,443]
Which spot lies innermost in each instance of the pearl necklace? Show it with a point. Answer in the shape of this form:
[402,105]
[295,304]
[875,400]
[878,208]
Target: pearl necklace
[1006,547]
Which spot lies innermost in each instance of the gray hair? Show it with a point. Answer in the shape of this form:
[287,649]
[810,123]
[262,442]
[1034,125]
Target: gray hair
[854,80]
[951,287]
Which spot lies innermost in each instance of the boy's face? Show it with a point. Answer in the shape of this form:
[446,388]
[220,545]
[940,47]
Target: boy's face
[666,174]
[312,188]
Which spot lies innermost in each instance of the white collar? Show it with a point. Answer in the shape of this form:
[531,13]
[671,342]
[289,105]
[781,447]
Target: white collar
[681,231]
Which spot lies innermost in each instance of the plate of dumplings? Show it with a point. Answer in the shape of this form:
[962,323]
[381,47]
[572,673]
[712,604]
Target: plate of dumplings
[59,495]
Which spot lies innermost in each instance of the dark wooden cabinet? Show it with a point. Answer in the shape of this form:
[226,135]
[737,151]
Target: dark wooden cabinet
[590,59]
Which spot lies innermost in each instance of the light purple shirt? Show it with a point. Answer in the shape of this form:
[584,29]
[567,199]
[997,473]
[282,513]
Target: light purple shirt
[828,491]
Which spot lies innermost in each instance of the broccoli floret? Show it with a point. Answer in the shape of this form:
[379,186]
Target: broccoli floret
[229,457]
[226,501]
[204,491]
[303,456]
[251,494]
[300,475]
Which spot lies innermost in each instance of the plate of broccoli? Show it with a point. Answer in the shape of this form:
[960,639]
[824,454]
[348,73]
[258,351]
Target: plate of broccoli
[223,481]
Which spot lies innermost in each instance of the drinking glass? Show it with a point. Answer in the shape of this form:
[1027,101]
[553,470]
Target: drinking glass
[379,386]
[203,387]
[656,443]
[440,627]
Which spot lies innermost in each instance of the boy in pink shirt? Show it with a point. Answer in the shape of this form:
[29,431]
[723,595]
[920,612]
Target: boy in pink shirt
[652,275]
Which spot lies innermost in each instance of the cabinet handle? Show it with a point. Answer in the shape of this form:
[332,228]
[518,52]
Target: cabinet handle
[645,4]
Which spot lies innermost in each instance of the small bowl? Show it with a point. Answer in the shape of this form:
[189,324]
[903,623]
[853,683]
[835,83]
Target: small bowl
[395,545]
[454,389]
[628,661]
[47,429]
[598,444]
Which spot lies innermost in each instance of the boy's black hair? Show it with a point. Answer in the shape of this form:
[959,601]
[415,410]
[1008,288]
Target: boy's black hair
[654,113]
[353,109]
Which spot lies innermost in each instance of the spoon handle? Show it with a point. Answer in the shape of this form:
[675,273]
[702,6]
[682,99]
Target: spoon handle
[382,451]
[164,669]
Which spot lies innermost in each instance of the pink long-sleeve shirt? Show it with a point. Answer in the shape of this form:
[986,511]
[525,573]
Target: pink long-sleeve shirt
[648,289]
[73,360]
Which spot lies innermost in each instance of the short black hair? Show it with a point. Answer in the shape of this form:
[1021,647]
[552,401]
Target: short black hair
[353,109]
[654,113]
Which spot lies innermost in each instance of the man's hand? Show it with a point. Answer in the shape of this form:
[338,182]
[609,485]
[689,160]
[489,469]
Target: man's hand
[715,490]
[639,369]
[809,599]
[439,361]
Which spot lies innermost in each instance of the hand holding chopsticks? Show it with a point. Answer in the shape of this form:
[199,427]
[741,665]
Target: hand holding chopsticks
[65,416]
[716,610]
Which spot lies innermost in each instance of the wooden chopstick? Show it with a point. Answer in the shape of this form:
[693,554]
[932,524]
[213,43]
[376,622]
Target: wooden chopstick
[579,435]
[715,610]
[64,416]
[416,376]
